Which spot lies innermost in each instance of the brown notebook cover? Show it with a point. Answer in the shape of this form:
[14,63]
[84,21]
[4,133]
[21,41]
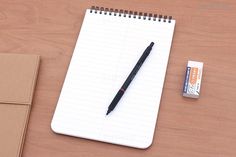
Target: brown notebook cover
[18,73]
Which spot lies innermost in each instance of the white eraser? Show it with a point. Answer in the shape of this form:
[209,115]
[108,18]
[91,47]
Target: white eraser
[193,78]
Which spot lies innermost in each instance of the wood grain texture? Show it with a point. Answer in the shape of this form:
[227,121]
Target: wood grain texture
[205,31]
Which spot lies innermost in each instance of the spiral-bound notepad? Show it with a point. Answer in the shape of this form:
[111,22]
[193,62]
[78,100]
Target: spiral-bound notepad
[109,45]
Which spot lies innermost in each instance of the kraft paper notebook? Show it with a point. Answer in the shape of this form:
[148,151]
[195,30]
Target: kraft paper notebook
[18,74]
[109,45]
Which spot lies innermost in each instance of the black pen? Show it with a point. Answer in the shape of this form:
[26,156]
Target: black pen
[129,78]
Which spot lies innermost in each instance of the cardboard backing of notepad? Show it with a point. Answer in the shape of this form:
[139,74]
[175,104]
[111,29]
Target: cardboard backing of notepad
[18,73]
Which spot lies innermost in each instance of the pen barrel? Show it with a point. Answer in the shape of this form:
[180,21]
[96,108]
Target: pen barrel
[116,99]
[137,67]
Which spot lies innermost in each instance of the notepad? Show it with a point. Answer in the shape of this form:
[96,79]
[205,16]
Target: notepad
[108,47]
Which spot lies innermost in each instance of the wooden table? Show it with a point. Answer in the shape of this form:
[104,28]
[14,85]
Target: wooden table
[205,31]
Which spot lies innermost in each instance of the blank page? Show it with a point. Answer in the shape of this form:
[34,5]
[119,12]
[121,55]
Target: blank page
[107,49]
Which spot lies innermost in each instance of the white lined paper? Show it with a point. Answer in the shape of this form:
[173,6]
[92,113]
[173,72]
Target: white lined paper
[107,49]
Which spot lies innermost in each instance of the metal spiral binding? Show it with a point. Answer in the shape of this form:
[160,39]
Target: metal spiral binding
[130,14]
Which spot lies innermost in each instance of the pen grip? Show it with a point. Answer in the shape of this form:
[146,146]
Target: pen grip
[116,99]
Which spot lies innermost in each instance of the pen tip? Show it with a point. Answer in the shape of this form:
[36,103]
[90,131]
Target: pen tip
[108,112]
